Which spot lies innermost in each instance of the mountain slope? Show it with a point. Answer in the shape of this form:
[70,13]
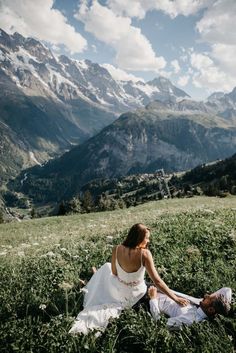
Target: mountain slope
[51,103]
[41,122]
[138,142]
[214,178]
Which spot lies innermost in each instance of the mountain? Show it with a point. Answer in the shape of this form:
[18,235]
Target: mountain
[48,103]
[34,118]
[138,142]
[223,104]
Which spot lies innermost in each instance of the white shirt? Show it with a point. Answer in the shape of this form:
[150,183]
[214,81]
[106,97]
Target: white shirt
[179,315]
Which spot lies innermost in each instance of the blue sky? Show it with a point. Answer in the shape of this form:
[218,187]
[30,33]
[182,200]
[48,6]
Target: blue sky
[191,42]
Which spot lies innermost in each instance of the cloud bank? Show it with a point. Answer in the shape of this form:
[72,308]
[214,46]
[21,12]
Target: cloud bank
[39,19]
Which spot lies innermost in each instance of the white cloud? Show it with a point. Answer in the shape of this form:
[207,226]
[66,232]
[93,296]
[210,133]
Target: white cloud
[175,65]
[131,8]
[121,75]
[94,48]
[139,8]
[102,22]
[133,49]
[208,75]
[183,80]
[217,28]
[200,61]
[40,20]
[225,56]
[134,52]
[218,23]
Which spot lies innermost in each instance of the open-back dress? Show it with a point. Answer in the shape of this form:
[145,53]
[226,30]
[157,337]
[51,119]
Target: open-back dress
[107,295]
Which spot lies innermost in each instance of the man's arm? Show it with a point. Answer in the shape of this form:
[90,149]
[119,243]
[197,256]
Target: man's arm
[154,309]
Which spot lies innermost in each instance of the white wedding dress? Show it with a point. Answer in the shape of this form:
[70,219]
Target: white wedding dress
[107,295]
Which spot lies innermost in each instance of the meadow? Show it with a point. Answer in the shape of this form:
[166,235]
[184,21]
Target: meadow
[42,262]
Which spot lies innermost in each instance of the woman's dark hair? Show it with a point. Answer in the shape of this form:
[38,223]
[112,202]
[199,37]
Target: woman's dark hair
[135,236]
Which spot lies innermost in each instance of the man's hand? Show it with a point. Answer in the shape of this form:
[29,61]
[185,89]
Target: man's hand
[152,292]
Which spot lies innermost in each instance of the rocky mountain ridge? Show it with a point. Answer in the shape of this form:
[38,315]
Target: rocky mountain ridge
[51,103]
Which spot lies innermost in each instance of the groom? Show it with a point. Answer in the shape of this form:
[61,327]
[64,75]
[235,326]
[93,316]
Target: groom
[197,310]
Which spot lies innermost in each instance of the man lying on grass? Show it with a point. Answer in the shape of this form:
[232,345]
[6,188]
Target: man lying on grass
[197,310]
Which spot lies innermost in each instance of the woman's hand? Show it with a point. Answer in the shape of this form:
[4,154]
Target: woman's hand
[181,301]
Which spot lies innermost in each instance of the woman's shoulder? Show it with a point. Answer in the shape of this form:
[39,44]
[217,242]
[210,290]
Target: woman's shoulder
[115,248]
[146,253]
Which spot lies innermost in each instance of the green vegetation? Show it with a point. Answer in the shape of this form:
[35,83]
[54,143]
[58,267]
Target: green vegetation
[42,261]
[214,178]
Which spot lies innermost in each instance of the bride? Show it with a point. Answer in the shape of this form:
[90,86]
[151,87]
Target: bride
[120,284]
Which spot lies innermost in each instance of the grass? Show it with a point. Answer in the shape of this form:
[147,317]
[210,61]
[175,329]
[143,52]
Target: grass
[42,260]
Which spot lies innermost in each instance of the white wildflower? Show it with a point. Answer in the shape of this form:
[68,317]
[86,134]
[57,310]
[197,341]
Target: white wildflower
[63,249]
[35,244]
[24,245]
[232,235]
[109,238]
[65,285]
[42,306]
[83,290]
[21,253]
[193,250]
[208,211]
[50,254]
[3,253]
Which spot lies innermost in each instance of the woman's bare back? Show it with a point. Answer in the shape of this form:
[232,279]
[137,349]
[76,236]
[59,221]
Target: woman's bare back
[130,260]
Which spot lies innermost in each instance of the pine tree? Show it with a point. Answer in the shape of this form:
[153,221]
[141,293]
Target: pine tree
[74,205]
[62,209]
[33,213]
[88,203]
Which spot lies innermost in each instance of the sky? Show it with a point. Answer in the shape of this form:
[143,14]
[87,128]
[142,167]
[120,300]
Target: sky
[191,42]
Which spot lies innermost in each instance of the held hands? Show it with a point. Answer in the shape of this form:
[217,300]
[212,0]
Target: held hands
[152,292]
[182,301]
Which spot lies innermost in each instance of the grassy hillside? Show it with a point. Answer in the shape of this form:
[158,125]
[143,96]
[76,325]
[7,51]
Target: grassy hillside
[193,242]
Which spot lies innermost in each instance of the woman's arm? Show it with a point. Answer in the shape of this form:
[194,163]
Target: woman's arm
[151,270]
[113,261]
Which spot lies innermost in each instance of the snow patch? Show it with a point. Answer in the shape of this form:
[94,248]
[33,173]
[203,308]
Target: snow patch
[2,57]
[147,89]
[81,64]
[24,179]
[60,79]
[33,158]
